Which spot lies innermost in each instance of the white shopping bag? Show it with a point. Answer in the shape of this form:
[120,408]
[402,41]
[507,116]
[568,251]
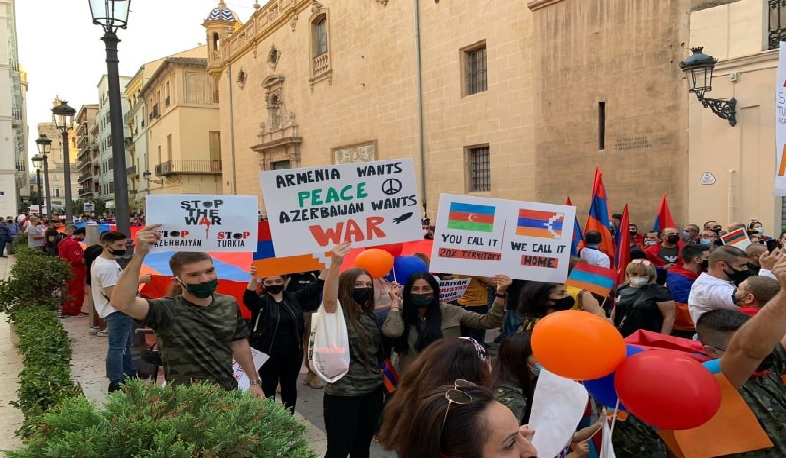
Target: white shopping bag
[328,347]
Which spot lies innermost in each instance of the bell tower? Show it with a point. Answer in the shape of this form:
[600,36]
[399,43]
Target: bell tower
[219,25]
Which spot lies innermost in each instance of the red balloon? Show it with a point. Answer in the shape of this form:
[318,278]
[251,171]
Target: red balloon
[394,249]
[667,389]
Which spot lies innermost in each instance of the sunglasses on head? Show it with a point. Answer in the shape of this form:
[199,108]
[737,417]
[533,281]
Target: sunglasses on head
[478,347]
[456,396]
[641,261]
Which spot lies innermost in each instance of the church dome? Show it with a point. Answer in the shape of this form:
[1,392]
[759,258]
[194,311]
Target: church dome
[222,13]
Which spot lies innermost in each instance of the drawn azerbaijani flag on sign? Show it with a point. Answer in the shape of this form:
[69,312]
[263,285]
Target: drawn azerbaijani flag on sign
[543,224]
[471,217]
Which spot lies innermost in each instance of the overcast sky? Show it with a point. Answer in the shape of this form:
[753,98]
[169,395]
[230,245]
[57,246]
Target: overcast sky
[62,52]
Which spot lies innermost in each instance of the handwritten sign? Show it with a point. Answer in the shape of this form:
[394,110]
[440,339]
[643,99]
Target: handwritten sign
[451,290]
[243,382]
[482,236]
[367,204]
[196,222]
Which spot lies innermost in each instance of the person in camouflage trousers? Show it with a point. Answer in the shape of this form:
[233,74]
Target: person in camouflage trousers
[199,332]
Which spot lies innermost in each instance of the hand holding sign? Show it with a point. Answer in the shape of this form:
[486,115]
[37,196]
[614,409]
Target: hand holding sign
[339,252]
[395,294]
[503,282]
[146,238]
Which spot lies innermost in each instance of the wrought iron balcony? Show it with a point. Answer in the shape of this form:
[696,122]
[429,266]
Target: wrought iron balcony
[188,167]
[21,166]
[777,23]
[84,177]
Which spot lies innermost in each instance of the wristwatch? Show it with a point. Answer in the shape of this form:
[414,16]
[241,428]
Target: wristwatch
[255,382]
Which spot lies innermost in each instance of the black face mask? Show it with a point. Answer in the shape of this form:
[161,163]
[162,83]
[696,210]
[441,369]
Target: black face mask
[673,238]
[633,233]
[362,295]
[563,303]
[117,253]
[705,264]
[274,289]
[737,276]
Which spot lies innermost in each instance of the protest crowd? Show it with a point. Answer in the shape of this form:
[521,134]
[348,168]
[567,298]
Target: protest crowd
[657,343]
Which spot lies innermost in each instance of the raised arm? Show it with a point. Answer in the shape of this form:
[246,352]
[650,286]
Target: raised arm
[495,316]
[757,338]
[330,291]
[124,293]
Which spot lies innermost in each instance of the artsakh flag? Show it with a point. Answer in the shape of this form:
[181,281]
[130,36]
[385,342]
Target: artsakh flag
[577,236]
[267,264]
[542,224]
[471,217]
[595,279]
[663,219]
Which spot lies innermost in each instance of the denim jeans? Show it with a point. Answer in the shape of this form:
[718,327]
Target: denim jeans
[119,364]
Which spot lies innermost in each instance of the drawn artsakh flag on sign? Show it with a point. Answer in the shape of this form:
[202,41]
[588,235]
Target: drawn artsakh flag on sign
[268,264]
[470,217]
[543,224]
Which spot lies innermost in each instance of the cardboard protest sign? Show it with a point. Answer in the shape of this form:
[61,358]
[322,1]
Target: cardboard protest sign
[483,236]
[451,290]
[367,204]
[196,222]
[737,238]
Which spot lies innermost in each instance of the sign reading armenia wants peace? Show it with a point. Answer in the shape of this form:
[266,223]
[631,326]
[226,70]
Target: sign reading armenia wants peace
[310,210]
[485,237]
[197,222]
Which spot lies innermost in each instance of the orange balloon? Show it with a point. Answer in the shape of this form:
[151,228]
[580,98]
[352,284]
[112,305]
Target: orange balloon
[376,262]
[577,345]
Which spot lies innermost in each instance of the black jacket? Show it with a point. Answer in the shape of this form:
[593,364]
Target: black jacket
[265,314]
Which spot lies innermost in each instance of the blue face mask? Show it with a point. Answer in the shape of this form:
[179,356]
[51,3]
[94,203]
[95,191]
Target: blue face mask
[760,230]
[535,370]
[706,241]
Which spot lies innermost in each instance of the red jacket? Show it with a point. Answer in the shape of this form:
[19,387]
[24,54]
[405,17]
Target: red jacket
[70,250]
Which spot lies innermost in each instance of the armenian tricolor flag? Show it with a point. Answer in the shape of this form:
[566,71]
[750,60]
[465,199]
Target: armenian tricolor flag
[543,224]
[737,238]
[577,237]
[595,279]
[389,376]
[599,216]
[663,219]
[471,217]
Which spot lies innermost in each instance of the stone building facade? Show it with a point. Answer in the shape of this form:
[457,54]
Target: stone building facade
[87,164]
[305,83]
[732,169]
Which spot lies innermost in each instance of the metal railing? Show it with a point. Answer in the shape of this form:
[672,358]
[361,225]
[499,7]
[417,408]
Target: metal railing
[189,167]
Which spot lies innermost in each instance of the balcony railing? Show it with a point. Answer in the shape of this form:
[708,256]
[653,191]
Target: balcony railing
[84,177]
[777,23]
[20,166]
[131,171]
[189,167]
[321,64]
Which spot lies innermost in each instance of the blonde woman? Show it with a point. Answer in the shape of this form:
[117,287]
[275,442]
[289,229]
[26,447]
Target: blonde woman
[641,303]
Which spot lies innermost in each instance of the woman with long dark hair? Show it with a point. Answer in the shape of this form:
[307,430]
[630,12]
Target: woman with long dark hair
[440,363]
[277,329]
[425,319]
[513,375]
[352,405]
[463,419]
[538,299]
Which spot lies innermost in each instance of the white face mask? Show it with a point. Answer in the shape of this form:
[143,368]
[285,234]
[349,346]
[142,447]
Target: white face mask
[638,282]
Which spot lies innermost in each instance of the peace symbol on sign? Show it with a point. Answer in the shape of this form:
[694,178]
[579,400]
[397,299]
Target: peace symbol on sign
[391,186]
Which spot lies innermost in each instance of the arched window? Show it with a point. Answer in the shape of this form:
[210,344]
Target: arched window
[320,35]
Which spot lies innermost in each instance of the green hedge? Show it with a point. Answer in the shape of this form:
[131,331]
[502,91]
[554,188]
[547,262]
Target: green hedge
[146,420]
[45,380]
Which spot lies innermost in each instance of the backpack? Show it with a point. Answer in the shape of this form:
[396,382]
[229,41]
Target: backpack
[91,253]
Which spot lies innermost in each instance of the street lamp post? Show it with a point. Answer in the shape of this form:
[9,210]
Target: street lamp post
[44,144]
[63,116]
[38,182]
[112,15]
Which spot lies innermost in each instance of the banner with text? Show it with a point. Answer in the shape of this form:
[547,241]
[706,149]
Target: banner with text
[780,125]
[483,236]
[310,210]
[196,222]
[452,290]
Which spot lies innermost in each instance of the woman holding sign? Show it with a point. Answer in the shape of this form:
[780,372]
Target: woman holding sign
[277,328]
[352,405]
[425,319]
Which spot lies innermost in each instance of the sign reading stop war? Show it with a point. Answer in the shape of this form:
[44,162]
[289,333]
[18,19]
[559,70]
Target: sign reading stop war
[484,237]
[310,210]
[196,222]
